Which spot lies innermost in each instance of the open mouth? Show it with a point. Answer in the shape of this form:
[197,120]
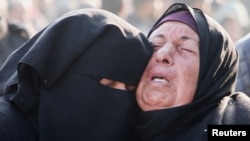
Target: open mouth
[158,78]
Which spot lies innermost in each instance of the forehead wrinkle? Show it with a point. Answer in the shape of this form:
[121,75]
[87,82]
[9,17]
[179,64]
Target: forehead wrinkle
[164,36]
[181,32]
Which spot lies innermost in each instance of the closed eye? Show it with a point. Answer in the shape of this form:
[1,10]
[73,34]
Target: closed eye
[156,47]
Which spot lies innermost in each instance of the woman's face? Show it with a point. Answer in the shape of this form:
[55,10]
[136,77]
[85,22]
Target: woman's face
[171,76]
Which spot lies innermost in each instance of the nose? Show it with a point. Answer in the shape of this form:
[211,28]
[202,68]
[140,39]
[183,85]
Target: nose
[165,54]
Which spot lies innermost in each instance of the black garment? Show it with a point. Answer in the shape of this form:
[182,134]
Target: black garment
[13,126]
[218,68]
[59,70]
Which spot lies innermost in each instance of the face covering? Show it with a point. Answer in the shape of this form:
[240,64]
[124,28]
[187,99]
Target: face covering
[54,77]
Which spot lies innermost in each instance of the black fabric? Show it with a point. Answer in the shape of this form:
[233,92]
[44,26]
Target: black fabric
[13,126]
[218,67]
[54,78]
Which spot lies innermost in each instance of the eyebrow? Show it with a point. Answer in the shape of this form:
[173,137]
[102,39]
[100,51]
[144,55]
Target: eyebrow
[188,38]
[158,36]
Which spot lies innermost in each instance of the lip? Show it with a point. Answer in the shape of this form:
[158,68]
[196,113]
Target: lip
[159,75]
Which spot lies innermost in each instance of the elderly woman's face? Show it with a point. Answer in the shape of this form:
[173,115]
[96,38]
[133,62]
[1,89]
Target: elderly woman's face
[171,76]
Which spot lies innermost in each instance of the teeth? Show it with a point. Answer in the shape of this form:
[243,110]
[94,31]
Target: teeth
[159,79]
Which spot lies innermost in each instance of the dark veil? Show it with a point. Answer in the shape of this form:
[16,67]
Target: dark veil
[53,79]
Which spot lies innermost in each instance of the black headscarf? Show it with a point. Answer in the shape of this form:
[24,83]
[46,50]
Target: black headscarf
[218,67]
[54,78]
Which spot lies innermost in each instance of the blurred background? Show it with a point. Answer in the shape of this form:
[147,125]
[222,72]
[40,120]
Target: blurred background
[25,18]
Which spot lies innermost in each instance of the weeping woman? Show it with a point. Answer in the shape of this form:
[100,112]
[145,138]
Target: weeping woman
[189,82]
[74,81]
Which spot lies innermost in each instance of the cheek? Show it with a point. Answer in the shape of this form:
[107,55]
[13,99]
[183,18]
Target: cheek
[195,67]
[191,72]
[148,67]
[143,81]
[188,81]
[194,74]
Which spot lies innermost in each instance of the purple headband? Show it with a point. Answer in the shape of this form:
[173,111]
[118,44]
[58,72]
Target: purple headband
[180,16]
